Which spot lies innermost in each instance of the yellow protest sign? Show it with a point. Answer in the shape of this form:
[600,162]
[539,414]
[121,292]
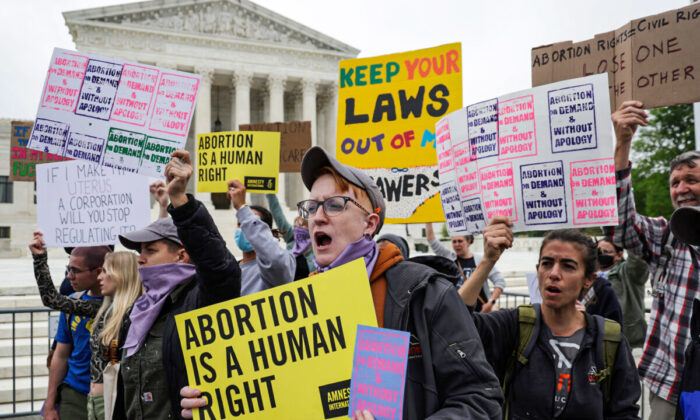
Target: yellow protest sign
[282,353]
[253,157]
[387,110]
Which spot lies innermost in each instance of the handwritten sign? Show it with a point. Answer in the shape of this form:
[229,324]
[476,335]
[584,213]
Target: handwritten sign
[83,204]
[542,157]
[23,161]
[655,59]
[285,352]
[249,156]
[114,113]
[295,141]
[387,110]
[379,372]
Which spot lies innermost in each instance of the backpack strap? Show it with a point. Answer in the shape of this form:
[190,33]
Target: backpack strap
[66,315]
[607,351]
[527,323]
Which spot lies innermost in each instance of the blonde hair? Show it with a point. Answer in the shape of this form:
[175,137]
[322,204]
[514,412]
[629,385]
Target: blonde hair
[123,267]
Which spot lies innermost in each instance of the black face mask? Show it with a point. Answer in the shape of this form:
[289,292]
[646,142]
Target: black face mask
[605,261]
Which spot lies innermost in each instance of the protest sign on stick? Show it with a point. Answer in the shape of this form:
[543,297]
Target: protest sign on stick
[379,372]
[295,141]
[23,161]
[114,113]
[252,157]
[654,59]
[543,157]
[83,204]
[285,352]
[387,110]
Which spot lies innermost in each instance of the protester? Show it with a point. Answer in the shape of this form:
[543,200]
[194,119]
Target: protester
[69,373]
[564,369]
[600,298]
[296,237]
[398,241]
[265,264]
[685,224]
[627,277]
[119,284]
[670,261]
[345,211]
[467,261]
[184,266]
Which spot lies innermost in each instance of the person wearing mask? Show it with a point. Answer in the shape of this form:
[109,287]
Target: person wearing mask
[296,237]
[120,286]
[554,361]
[345,210]
[600,298]
[627,277]
[184,265]
[69,373]
[467,260]
[265,263]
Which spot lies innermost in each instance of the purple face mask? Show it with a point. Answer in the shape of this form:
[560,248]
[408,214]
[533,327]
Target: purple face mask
[365,247]
[302,241]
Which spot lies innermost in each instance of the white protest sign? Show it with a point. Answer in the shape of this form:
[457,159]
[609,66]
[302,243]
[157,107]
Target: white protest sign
[84,204]
[543,157]
[112,112]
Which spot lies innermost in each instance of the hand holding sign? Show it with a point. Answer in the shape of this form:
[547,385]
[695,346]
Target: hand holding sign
[626,119]
[190,400]
[236,193]
[177,174]
[497,237]
[37,245]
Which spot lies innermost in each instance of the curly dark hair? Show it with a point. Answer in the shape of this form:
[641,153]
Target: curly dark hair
[585,244]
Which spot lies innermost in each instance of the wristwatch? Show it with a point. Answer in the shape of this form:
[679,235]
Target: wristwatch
[493,301]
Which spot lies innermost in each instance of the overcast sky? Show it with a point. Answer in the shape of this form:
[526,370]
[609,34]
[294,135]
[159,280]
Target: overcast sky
[496,36]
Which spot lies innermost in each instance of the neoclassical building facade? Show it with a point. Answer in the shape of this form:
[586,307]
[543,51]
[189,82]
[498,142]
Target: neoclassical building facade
[256,66]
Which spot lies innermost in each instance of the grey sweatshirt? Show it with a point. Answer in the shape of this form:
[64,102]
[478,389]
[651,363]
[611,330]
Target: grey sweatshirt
[273,265]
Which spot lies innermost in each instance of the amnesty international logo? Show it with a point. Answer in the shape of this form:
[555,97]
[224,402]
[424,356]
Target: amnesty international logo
[335,399]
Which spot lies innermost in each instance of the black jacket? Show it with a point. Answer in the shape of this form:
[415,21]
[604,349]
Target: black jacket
[531,392]
[605,303]
[448,376]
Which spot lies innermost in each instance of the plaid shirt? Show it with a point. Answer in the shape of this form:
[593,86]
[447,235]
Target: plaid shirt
[668,332]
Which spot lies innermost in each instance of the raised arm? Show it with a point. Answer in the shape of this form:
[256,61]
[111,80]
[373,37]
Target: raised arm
[281,221]
[160,193]
[218,272]
[497,238]
[49,296]
[435,244]
[626,119]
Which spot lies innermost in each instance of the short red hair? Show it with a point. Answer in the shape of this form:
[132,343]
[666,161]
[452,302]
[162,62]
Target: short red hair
[343,185]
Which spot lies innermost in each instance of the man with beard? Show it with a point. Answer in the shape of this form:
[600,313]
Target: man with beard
[670,261]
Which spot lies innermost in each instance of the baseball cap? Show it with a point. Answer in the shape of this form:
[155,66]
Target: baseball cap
[685,224]
[163,228]
[316,158]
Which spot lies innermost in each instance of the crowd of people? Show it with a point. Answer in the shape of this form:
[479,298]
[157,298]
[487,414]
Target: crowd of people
[118,353]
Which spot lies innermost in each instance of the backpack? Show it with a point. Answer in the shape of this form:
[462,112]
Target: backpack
[606,349]
[66,315]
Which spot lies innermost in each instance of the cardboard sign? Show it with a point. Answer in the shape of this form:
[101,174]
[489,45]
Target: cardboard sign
[285,352]
[84,204]
[295,141]
[387,110]
[252,157]
[542,157]
[655,59]
[379,372]
[23,161]
[114,113]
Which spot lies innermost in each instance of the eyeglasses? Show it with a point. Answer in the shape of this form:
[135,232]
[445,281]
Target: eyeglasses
[333,206]
[74,271]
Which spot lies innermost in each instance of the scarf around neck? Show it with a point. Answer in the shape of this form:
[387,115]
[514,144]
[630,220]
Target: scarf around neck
[364,247]
[158,282]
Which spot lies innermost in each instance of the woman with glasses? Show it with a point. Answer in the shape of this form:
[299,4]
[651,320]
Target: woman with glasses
[265,263]
[120,285]
[447,375]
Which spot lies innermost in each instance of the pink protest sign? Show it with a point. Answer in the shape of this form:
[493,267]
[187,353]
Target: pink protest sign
[114,113]
[379,372]
[540,157]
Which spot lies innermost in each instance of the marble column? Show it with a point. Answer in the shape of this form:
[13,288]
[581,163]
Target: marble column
[331,113]
[202,120]
[275,88]
[308,89]
[242,80]
[234,123]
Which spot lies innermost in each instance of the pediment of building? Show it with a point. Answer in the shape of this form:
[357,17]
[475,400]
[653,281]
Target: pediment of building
[240,20]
